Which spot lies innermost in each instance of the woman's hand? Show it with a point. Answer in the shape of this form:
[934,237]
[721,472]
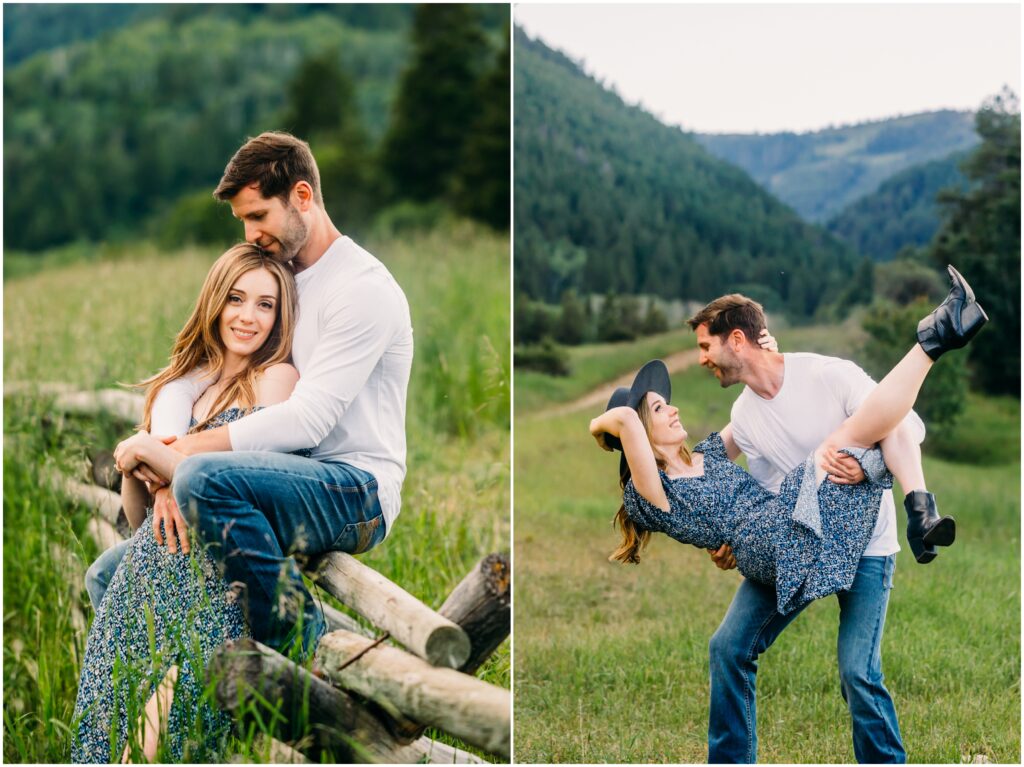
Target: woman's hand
[610,422]
[767,341]
[129,453]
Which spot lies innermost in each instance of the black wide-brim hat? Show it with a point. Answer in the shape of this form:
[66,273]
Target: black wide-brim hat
[651,377]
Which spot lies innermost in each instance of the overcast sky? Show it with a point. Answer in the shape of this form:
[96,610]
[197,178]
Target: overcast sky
[768,68]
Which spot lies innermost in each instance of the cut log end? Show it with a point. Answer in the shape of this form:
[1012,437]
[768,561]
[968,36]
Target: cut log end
[448,646]
[497,576]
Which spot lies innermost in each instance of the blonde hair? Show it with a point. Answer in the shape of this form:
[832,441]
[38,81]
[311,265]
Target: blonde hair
[634,537]
[199,342]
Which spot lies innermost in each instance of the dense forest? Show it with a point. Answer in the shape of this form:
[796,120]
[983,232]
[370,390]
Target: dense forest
[903,212]
[821,172]
[608,199]
[130,116]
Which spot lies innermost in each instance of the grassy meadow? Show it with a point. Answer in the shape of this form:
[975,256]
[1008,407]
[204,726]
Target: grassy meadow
[109,315]
[611,660]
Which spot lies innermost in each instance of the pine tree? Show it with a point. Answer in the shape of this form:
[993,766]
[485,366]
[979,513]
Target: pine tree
[437,100]
[980,236]
[572,322]
[482,185]
[322,109]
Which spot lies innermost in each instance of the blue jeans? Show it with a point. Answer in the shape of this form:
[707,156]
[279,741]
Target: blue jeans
[749,628]
[98,576]
[259,511]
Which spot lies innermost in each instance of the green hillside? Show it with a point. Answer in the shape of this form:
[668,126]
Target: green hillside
[820,173]
[147,106]
[33,27]
[902,211]
[610,199]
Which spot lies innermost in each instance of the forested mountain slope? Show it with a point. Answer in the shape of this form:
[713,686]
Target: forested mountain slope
[820,173]
[903,211]
[609,199]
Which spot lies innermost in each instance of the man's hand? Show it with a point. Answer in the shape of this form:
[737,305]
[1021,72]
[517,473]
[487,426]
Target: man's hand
[166,510]
[841,468]
[722,557]
[767,341]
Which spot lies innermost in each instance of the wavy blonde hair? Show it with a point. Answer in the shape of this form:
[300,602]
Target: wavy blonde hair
[634,537]
[199,343]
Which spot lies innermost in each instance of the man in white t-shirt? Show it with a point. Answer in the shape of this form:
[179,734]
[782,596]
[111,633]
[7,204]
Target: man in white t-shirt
[790,404]
[254,501]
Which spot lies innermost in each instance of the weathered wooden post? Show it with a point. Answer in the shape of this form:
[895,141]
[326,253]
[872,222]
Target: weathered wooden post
[475,711]
[481,604]
[411,623]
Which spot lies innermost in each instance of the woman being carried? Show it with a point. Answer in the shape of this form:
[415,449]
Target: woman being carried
[164,613]
[806,541]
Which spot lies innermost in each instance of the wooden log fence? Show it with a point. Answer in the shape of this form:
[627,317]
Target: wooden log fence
[375,703]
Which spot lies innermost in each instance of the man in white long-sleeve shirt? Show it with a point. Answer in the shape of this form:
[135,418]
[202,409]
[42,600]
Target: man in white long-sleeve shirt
[251,498]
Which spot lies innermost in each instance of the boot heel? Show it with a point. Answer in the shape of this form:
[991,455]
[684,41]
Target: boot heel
[972,319]
[942,533]
[923,553]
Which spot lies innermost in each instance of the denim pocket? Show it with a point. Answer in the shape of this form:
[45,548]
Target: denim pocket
[358,537]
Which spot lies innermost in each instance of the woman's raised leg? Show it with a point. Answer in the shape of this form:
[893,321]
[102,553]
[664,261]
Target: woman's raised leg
[888,404]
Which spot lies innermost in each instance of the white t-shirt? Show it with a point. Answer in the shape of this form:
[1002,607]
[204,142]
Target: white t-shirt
[353,349]
[818,393]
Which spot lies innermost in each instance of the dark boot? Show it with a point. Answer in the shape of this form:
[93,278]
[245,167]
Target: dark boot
[925,529]
[955,322]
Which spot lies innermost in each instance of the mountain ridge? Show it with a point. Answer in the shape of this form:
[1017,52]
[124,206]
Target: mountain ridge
[608,198]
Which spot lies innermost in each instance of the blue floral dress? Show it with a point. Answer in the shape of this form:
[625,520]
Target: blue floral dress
[160,609]
[806,541]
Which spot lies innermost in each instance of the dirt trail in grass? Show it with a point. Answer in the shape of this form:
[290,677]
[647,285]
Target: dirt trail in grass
[599,396]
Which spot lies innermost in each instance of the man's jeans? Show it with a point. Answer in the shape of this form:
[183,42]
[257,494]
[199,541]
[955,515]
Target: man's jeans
[258,511]
[255,509]
[749,628]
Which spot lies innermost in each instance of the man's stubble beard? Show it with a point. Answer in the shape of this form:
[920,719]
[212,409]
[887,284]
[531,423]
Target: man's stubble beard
[294,237]
[731,372]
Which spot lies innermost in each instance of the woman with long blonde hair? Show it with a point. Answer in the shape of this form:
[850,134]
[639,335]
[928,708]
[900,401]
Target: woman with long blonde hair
[164,612]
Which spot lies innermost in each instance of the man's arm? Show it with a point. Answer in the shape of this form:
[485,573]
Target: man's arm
[353,339]
[275,386]
[172,409]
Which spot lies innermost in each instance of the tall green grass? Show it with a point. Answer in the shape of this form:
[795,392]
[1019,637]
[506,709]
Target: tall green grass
[611,660]
[110,316]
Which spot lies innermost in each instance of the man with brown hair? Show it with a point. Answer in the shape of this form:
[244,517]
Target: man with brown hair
[254,501]
[790,403]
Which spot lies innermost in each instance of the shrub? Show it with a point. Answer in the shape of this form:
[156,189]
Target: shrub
[544,357]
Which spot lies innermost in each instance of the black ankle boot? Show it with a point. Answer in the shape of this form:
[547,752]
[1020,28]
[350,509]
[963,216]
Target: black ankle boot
[955,322]
[925,529]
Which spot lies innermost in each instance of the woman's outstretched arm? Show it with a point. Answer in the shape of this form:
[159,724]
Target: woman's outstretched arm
[624,423]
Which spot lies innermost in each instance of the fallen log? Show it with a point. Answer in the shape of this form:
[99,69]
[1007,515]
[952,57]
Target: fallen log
[435,752]
[249,676]
[104,470]
[402,684]
[481,605]
[411,623]
[336,619]
[106,502]
[119,403]
[104,533]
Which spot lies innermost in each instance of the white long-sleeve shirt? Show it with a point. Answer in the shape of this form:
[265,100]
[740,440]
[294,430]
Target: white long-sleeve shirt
[353,349]
[818,393]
